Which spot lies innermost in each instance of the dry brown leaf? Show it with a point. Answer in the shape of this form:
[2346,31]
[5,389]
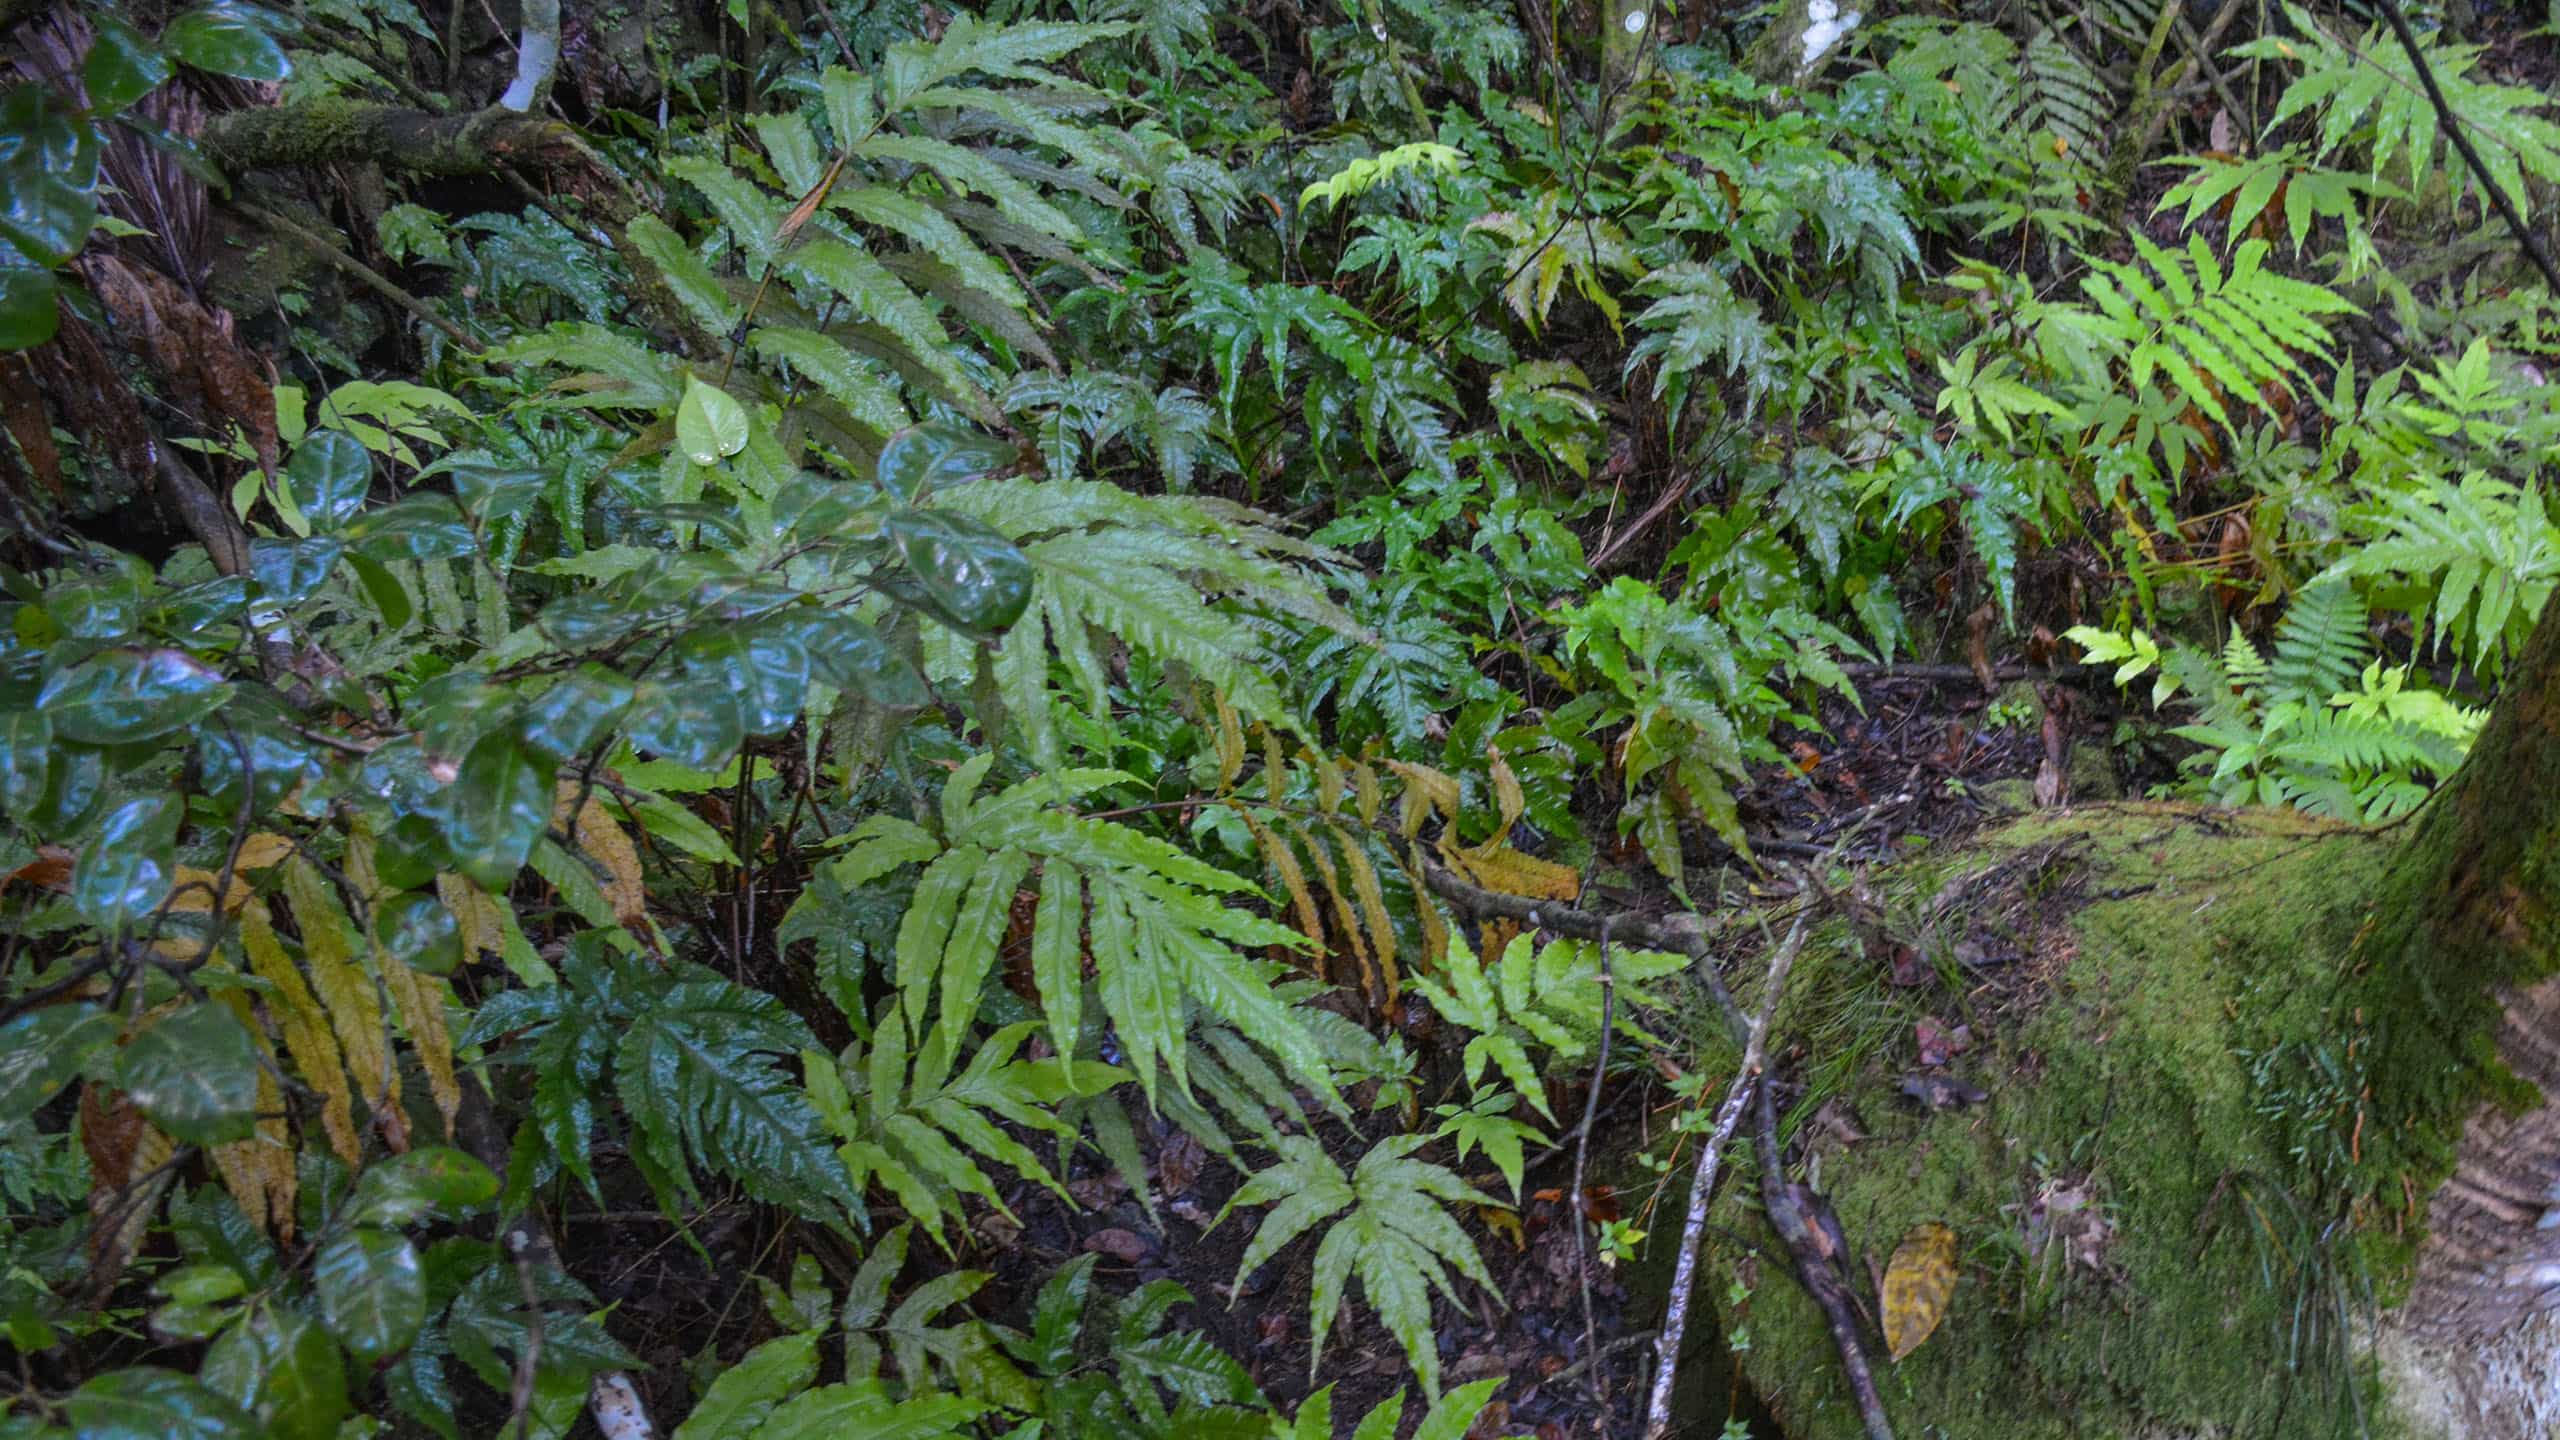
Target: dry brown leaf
[192,348]
[1918,1283]
[125,1181]
[606,842]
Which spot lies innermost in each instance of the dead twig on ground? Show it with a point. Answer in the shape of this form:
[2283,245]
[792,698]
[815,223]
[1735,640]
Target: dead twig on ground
[1684,1274]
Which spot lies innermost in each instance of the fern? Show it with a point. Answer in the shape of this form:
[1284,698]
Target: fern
[898,1120]
[1549,243]
[1545,996]
[1989,497]
[2216,333]
[1396,1236]
[2480,556]
[1699,321]
[2320,644]
[2368,91]
[693,1058]
[2247,186]
[1151,919]
[1356,178]
[1150,570]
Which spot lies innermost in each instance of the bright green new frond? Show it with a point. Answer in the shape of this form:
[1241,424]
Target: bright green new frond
[2483,555]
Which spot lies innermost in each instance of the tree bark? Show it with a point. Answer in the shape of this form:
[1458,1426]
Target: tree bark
[318,132]
[2465,953]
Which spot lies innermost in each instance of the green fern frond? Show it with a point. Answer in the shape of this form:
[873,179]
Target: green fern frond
[2368,92]
[2320,645]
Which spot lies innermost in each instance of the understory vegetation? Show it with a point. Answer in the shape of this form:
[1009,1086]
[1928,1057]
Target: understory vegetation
[768,748]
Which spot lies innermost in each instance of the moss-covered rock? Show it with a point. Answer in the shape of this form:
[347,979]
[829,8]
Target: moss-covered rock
[2152,1204]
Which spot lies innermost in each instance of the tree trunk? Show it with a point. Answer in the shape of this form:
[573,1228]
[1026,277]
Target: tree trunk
[2468,947]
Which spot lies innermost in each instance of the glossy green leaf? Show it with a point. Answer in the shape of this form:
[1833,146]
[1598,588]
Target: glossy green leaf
[831,1412]
[684,724]
[433,1180]
[970,576]
[330,473]
[121,67]
[578,710]
[925,458]
[195,1074]
[121,696]
[498,806]
[748,1391]
[28,315]
[388,595]
[710,425]
[373,1292]
[285,1371]
[418,931]
[149,1403]
[44,1050]
[26,755]
[226,39]
[126,869]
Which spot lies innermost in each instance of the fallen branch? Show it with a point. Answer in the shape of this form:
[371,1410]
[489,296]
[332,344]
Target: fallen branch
[1684,1274]
[330,129]
[1817,1266]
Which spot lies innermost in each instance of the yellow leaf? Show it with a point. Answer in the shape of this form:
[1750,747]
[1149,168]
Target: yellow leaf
[1500,868]
[1918,1282]
[1505,1223]
[489,928]
[1425,790]
[306,1030]
[345,988]
[1292,875]
[1435,931]
[602,839]
[420,999]
[1507,799]
[194,889]
[259,1171]
[1364,780]
[126,1181]
[1373,908]
[1275,770]
[1230,745]
[1343,919]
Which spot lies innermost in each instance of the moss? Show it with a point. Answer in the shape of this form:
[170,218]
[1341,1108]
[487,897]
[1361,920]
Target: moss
[2172,1053]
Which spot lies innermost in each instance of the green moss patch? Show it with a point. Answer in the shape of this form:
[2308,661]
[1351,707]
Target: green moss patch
[2148,1205]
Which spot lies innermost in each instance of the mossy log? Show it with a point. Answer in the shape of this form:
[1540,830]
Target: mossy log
[322,131]
[2242,1146]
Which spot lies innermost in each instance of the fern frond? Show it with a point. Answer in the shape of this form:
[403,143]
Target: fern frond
[2320,645]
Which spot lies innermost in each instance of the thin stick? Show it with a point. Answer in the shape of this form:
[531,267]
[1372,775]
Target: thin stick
[521,1241]
[382,284]
[1582,1148]
[1684,1275]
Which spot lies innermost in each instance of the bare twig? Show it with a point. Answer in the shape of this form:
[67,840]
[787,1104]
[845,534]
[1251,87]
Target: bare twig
[1684,1274]
[382,284]
[520,1243]
[1582,1146]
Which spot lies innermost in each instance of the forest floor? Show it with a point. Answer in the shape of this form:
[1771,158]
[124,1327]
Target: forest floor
[1926,761]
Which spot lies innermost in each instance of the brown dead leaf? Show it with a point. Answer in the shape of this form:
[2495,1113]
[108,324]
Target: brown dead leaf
[191,346]
[1977,645]
[1931,1037]
[1126,1246]
[1941,1092]
[1178,1164]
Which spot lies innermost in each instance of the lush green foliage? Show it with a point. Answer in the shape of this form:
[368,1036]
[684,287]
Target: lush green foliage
[969,622]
